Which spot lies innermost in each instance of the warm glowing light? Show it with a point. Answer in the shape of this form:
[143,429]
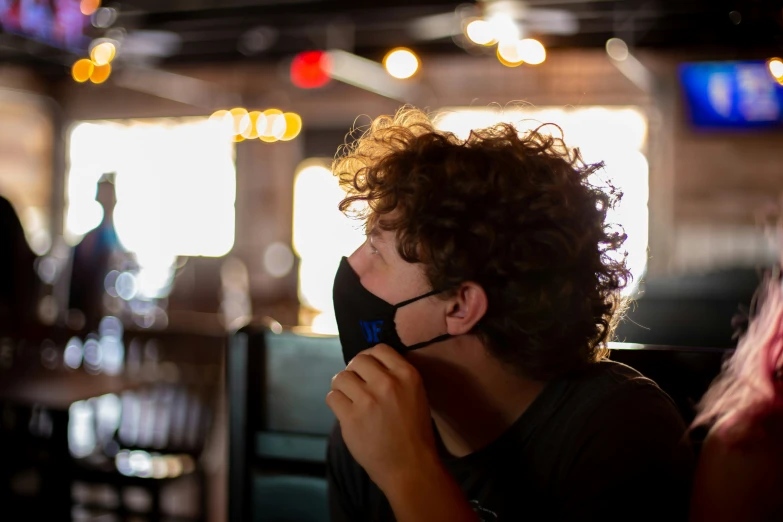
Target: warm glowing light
[275,126]
[100,73]
[480,32]
[508,54]
[293,126]
[513,54]
[776,68]
[401,63]
[311,69]
[240,120]
[103,53]
[504,28]
[82,70]
[617,49]
[532,51]
[217,116]
[224,122]
[88,7]
[255,120]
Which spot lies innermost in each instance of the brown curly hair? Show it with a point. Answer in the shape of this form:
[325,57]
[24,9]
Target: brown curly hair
[515,213]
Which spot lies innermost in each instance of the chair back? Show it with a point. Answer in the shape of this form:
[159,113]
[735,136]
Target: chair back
[279,423]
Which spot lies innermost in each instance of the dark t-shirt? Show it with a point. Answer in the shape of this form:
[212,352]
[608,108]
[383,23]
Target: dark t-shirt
[606,445]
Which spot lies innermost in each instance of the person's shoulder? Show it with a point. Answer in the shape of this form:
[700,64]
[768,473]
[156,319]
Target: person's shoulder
[627,442]
[610,382]
[614,400]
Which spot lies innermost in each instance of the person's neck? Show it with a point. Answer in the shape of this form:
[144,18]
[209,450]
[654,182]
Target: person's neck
[473,397]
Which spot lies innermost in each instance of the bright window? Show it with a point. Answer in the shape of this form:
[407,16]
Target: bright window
[175,182]
[322,236]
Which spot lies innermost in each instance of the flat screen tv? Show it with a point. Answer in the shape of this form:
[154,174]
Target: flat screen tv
[732,95]
[59,23]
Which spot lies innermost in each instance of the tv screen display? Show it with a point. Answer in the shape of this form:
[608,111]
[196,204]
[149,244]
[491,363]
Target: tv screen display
[56,22]
[734,95]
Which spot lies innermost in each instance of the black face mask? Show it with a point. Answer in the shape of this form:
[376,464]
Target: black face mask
[364,319]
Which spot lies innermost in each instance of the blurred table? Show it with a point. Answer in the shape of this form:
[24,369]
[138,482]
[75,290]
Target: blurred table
[54,391]
[58,390]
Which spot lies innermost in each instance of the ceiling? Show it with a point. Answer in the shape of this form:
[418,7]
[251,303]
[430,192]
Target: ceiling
[220,31]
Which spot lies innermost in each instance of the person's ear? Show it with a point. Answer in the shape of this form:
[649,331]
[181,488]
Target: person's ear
[466,308]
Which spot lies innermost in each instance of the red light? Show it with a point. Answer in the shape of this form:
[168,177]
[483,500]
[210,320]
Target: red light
[310,70]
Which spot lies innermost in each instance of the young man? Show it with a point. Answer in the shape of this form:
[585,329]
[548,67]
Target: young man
[473,323]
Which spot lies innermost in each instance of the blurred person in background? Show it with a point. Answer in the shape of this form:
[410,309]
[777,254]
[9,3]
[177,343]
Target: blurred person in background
[93,259]
[474,322]
[740,470]
[18,281]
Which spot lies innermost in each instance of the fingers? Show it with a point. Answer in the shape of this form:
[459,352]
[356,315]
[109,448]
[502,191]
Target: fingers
[350,384]
[388,356]
[339,404]
[369,368]
[396,364]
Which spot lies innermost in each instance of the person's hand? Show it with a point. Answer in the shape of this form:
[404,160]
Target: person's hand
[384,415]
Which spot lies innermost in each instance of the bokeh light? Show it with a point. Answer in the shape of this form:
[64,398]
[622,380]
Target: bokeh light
[508,54]
[88,7]
[269,126]
[239,119]
[293,126]
[617,49]
[223,121]
[82,70]
[100,73]
[504,28]
[218,116]
[104,17]
[103,53]
[311,69]
[480,32]
[776,68]
[255,120]
[126,286]
[278,259]
[72,356]
[275,126]
[401,63]
[532,51]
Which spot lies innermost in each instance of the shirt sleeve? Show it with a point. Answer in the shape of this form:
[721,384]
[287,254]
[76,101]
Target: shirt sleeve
[347,481]
[634,463]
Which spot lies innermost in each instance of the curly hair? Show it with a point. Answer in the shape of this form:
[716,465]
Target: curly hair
[514,213]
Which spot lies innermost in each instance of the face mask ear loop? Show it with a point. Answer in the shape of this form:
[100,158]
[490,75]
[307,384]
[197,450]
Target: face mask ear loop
[427,343]
[409,301]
